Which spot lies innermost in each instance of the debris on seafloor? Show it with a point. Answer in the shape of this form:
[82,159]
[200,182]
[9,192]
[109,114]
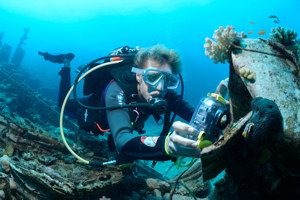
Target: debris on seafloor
[36,165]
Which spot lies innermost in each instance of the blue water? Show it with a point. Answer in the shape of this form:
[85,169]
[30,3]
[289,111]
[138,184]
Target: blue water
[92,28]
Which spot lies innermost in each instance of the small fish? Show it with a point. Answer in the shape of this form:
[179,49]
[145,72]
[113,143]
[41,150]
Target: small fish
[275,18]
[251,22]
[250,32]
[261,32]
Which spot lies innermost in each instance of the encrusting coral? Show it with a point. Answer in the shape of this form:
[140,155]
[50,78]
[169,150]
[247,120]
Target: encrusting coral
[220,48]
[246,73]
[283,36]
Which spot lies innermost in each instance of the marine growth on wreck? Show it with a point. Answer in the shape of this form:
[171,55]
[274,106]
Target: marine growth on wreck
[266,154]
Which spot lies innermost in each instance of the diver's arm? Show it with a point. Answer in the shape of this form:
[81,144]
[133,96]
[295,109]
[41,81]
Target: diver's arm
[135,147]
[179,106]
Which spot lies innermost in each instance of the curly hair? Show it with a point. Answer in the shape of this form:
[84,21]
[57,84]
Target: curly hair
[160,54]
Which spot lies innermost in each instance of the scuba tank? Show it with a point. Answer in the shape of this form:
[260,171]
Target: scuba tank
[209,119]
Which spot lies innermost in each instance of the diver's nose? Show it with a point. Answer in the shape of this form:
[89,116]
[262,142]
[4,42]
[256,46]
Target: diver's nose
[160,85]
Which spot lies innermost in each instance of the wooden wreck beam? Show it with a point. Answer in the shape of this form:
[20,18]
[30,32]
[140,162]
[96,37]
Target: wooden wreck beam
[23,136]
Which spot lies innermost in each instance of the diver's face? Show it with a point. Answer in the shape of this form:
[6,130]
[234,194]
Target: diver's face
[147,91]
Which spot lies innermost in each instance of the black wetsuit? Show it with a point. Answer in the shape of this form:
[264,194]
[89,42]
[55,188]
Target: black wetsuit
[122,122]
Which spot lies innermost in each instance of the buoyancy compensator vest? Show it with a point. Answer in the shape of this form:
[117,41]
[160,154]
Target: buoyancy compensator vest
[97,81]
[94,86]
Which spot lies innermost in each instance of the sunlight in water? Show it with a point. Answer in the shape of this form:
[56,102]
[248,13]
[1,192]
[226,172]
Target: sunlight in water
[69,10]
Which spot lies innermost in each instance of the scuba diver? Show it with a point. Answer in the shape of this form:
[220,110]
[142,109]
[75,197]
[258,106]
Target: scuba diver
[151,78]
[156,72]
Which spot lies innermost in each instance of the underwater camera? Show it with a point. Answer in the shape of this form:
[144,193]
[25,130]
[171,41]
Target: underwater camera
[210,118]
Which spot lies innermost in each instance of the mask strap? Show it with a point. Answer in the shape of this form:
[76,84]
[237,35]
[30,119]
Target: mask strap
[137,70]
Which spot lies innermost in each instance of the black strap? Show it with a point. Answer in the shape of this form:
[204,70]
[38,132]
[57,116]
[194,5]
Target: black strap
[167,124]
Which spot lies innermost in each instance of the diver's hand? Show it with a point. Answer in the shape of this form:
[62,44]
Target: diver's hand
[177,144]
[222,88]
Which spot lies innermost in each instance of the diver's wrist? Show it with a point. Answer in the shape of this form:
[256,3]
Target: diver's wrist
[167,149]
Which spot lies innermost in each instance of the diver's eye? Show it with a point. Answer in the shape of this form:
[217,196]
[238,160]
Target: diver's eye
[153,77]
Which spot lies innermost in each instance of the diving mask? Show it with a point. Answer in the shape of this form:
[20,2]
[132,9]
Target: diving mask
[153,77]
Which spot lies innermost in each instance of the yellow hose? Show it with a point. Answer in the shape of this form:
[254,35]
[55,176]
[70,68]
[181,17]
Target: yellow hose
[64,105]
